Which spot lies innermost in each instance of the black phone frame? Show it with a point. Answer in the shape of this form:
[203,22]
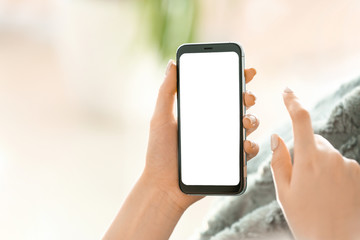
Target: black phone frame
[214,189]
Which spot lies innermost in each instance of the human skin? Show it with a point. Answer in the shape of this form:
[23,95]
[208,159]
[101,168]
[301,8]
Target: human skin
[156,203]
[320,192]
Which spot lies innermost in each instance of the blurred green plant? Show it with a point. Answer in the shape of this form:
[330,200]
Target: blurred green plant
[169,23]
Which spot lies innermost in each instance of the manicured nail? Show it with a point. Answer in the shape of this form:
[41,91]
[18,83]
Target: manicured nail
[288,90]
[253,70]
[251,120]
[168,67]
[274,141]
[252,95]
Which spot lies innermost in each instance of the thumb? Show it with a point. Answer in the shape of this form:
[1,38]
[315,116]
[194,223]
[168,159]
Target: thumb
[166,97]
[280,164]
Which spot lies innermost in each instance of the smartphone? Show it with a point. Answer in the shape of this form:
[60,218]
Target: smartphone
[210,87]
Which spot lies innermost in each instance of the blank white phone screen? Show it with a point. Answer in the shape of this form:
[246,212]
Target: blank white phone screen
[210,118]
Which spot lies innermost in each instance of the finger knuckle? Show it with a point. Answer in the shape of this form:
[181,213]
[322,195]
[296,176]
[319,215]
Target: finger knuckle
[336,155]
[336,159]
[353,165]
[300,114]
[356,168]
[318,138]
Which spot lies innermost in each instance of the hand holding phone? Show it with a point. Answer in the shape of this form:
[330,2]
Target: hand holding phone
[156,197]
[161,167]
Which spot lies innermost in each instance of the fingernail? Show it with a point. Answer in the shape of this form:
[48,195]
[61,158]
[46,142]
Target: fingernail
[168,67]
[274,141]
[251,119]
[288,90]
[252,96]
[252,144]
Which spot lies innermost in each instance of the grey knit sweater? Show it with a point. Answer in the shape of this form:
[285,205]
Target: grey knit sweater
[256,214]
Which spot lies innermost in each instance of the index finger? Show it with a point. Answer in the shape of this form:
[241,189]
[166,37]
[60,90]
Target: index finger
[301,122]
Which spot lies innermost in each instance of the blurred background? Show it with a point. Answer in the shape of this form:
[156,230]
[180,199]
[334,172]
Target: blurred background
[78,84]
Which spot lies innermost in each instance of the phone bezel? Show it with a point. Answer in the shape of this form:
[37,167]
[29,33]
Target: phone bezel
[214,189]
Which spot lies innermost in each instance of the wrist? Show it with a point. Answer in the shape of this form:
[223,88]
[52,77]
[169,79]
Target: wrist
[147,213]
[167,201]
